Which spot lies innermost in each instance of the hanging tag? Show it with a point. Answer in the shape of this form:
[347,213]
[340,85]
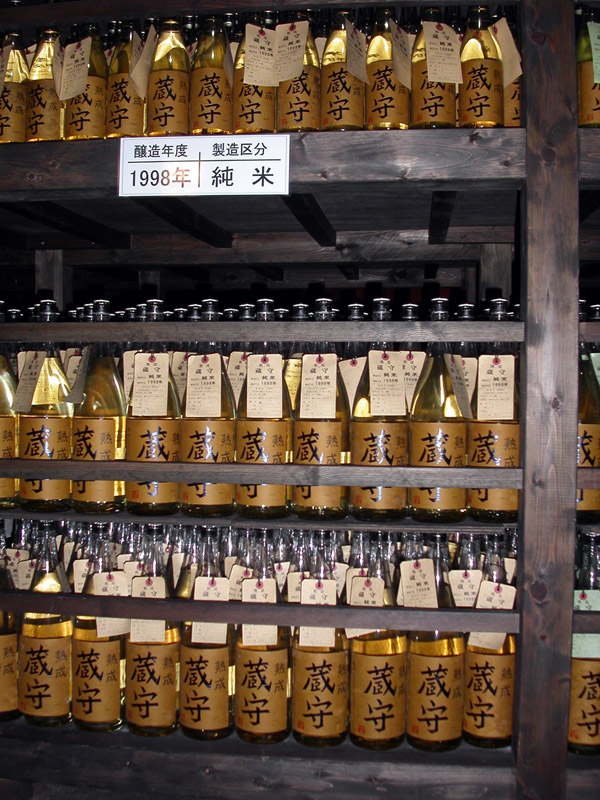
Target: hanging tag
[470,372]
[122,559]
[339,570]
[294,586]
[259,69]
[25,570]
[351,573]
[228,563]
[21,357]
[498,596]
[351,370]
[290,44]
[365,591]
[4,56]
[132,569]
[34,361]
[128,362]
[76,374]
[264,386]
[111,584]
[317,593]
[13,557]
[228,61]
[203,390]
[386,377]
[510,565]
[237,576]
[81,568]
[58,60]
[401,53]
[74,75]
[139,69]
[511,58]
[465,586]
[318,384]
[281,572]
[496,387]
[179,370]
[346,550]
[586,645]
[412,364]
[259,591]
[30,53]
[148,630]
[356,52]
[442,47]
[418,583]
[236,372]
[215,589]
[457,375]
[150,384]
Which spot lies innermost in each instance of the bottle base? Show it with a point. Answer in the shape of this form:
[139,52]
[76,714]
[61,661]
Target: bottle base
[446,515]
[250,512]
[48,722]
[97,727]
[383,744]
[44,505]
[6,716]
[97,508]
[319,741]
[265,738]
[150,509]
[433,747]
[221,733]
[487,742]
[207,511]
[493,516]
[370,515]
[320,513]
[163,730]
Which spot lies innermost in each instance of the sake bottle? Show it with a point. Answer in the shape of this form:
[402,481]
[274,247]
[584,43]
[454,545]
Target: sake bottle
[481,93]
[588,90]
[253,106]
[45,644]
[386,98]
[512,92]
[168,86]
[293,364]
[299,99]
[85,114]
[432,104]
[437,431]
[45,112]
[9,703]
[124,106]
[210,93]
[342,94]
[588,431]
[354,355]
[13,98]
[8,429]
[99,424]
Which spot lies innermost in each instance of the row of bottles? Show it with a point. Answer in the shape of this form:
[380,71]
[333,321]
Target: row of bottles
[202,89]
[437,687]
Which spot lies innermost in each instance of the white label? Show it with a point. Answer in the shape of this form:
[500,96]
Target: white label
[236,372]
[586,645]
[356,52]
[259,591]
[228,563]
[290,45]
[259,68]
[32,366]
[401,53]
[418,583]
[216,589]
[318,385]
[111,584]
[498,596]
[443,53]
[25,570]
[465,586]
[75,69]
[13,557]
[351,370]
[81,568]
[122,559]
[412,364]
[132,569]
[320,42]
[72,368]
[365,591]
[496,387]
[237,576]
[58,60]
[203,390]
[281,572]
[264,386]
[21,356]
[511,58]
[141,60]
[386,377]
[233,48]
[346,550]
[317,593]
[510,565]
[179,371]
[148,630]
[457,375]
[128,362]
[4,56]
[351,573]
[80,368]
[150,385]
[339,570]
[294,586]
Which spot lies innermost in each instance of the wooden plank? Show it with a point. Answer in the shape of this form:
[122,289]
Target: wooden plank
[588,478]
[495,270]
[310,215]
[442,205]
[50,276]
[549,380]
[589,158]
[179,214]
[586,621]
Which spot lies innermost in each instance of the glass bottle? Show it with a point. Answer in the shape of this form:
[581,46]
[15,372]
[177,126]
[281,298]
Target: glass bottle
[354,355]
[299,99]
[168,85]
[588,431]
[13,98]
[432,105]
[45,112]
[512,92]
[9,487]
[588,91]
[253,106]
[98,430]
[9,703]
[85,114]
[386,98]
[481,93]
[211,106]
[342,94]
[124,106]
[293,364]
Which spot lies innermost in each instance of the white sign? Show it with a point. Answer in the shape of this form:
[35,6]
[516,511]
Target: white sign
[199,165]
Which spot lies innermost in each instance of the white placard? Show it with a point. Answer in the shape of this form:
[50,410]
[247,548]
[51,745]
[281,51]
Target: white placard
[418,583]
[148,630]
[401,53]
[442,48]
[111,584]
[511,58]
[386,378]
[465,586]
[351,370]
[492,596]
[28,378]
[257,590]
[356,52]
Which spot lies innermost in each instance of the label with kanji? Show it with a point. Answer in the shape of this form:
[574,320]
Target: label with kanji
[93,439]
[489,689]
[124,107]
[203,386]
[433,104]
[261,690]
[584,708]
[153,440]
[434,444]
[315,592]
[45,676]
[496,387]
[217,590]
[512,104]
[8,486]
[319,692]
[211,107]
[386,383]
[264,386]
[492,596]
[179,369]
[493,445]
[13,105]
[318,386]
[151,686]
[253,105]
[342,98]
[151,492]
[85,113]
[318,443]
[442,47]
[30,367]
[386,99]
[211,440]
[588,455]
[236,371]
[8,672]
[167,100]
[435,697]
[351,370]
[417,580]
[299,101]
[465,586]
[260,56]
[290,44]
[378,444]
[96,680]
[261,442]
[150,385]
[43,111]
[588,93]
[204,688]
[412,364]
[378,695]
[481,93]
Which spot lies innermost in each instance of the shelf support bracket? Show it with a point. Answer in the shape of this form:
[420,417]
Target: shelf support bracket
[440,213]
[183,217]
[310,215]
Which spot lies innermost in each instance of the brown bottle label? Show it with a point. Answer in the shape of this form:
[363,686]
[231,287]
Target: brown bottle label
[299,101]
[512,104]
[588,92]
[481,94]
[378,696]
[151,693]
[493,444]
[45,676]
[261,442]
[124,107]
[253,106]
[151,492]
[204,694]
[489,689]
[211,105]
[431,103]
[8,486]
[319,692]
[13,106]
[96,680]
[152,439]
[93,439]
[85,114]
[382,444]
[433,444]
[45,438]
[588,456]
[8,672]
[207,440]
[261,690]
[386,99]
[342,98]
[584,709]
[43,111]
[318,443]
[435,697]
[167,99]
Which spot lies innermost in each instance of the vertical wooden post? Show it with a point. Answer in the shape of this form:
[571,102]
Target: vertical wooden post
[550,295]
[50,275]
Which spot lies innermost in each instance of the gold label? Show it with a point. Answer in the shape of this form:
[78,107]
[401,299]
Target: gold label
[96,680]
[584,709]
[13,104]
[211,107]
[481,94]
[167,100]
[261,441]
[207,440]
[152,492]
[46,438]
[588,455]
[512,104]
[299,101]
[342,98]
[85,114]
[493,444]
[489,689]
[378,696]
[152,439]
[386,99]
[261,690]
[45,676]
[253,106]
[318,443]
[96,491]
[435,444]
[124,107]
[151,693]
[7,437]
[382,444]
[261,494]
[207,494]
[8,672]
[431,103]
[43,110]
[435,697]
[319,692]
[204,696]
[93,439]
[34,489]
[588,92]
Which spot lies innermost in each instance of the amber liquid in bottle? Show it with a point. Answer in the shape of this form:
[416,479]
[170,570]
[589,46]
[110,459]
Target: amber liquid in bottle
[9,701]
[85,114]
[124,106]
[342,94]
[253,106]
[481,94]
[211,106]
[45,112]
[13,98]
[8,431]
[386,98]
[299,99]
[432,105]
[168,86]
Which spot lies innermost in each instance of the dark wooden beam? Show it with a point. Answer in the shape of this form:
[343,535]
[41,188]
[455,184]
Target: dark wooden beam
[51,278]
[310,215]
[15,240]
[183,217]
[589,202]
[495,270]
[440,213]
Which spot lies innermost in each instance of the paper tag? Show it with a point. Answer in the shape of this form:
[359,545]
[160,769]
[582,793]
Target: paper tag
[141,60]
[77,368]
[510,565]
[81,568]
[150,384]
[418,583]
[294,586]
[281,572]
[179,371]
[4,56]
[21,356]
[339,570]
[290,44]
[216,589]
[228,563]
[470,372]
[443,53]
[496,387]
[412,364]
[465,586]
[30,53]
[58,60]
[259,591]
[132,569]
[111,584]
[351,573]
[75,69]
[317,593]
[13,557]
[67,553]
[259,69]
[346,550]
[25,570]
[148,630]
[237,576]
[492,595]
[586,645]
[228,60]
[32,366]
[386,378]
[128,361]
[365,591]
[264,386]
[203,389]
[401,53]
[236,372]
[356,52]
[318,385]
[351,370]
[122,559]
[457,375]
[511,58]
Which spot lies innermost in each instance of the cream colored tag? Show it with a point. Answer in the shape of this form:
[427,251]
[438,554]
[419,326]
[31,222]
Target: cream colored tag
[21,357]
[259,69]
[148,630]
[176,564]
[141,61]
[457,375]
[511,58]
[510,565]
[351,573]
[67,553]
[586,645]
[75,69]
[351,370]
[77,368]
[128,370]
[594,357]
[81,568]
[132,569]
[32,366]
[216,589]
[412,364]
[492,595]
[290,44]
[203,391]
[122,559]
[356,52]
[346,550]
[58,60]
[594,31]
[496,387]
[318,384]
[259,591]
[111,584]
[365,591]
[179,370]
[264,386]
[72,367]
[281,572]
[317,593]
[443,53]
[401,53]
[25,570]
[228,563]
[150,384]
[4,56]
[237,576]
[13,557]
[386,377]
[418,583]
[339,570]
[294,586]
[236,372]
[470,371]
[465,586]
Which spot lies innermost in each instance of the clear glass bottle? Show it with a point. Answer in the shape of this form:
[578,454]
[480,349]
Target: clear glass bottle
[342,94]
[588,91]
[386,98]
[9,702]
[85,114]
[293,363]
[45,112]
[432,105]
[253,106]
[299,99]
[167,99]
[211,105]
[481,93]
[9,487]
[124,106]
[13,98]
